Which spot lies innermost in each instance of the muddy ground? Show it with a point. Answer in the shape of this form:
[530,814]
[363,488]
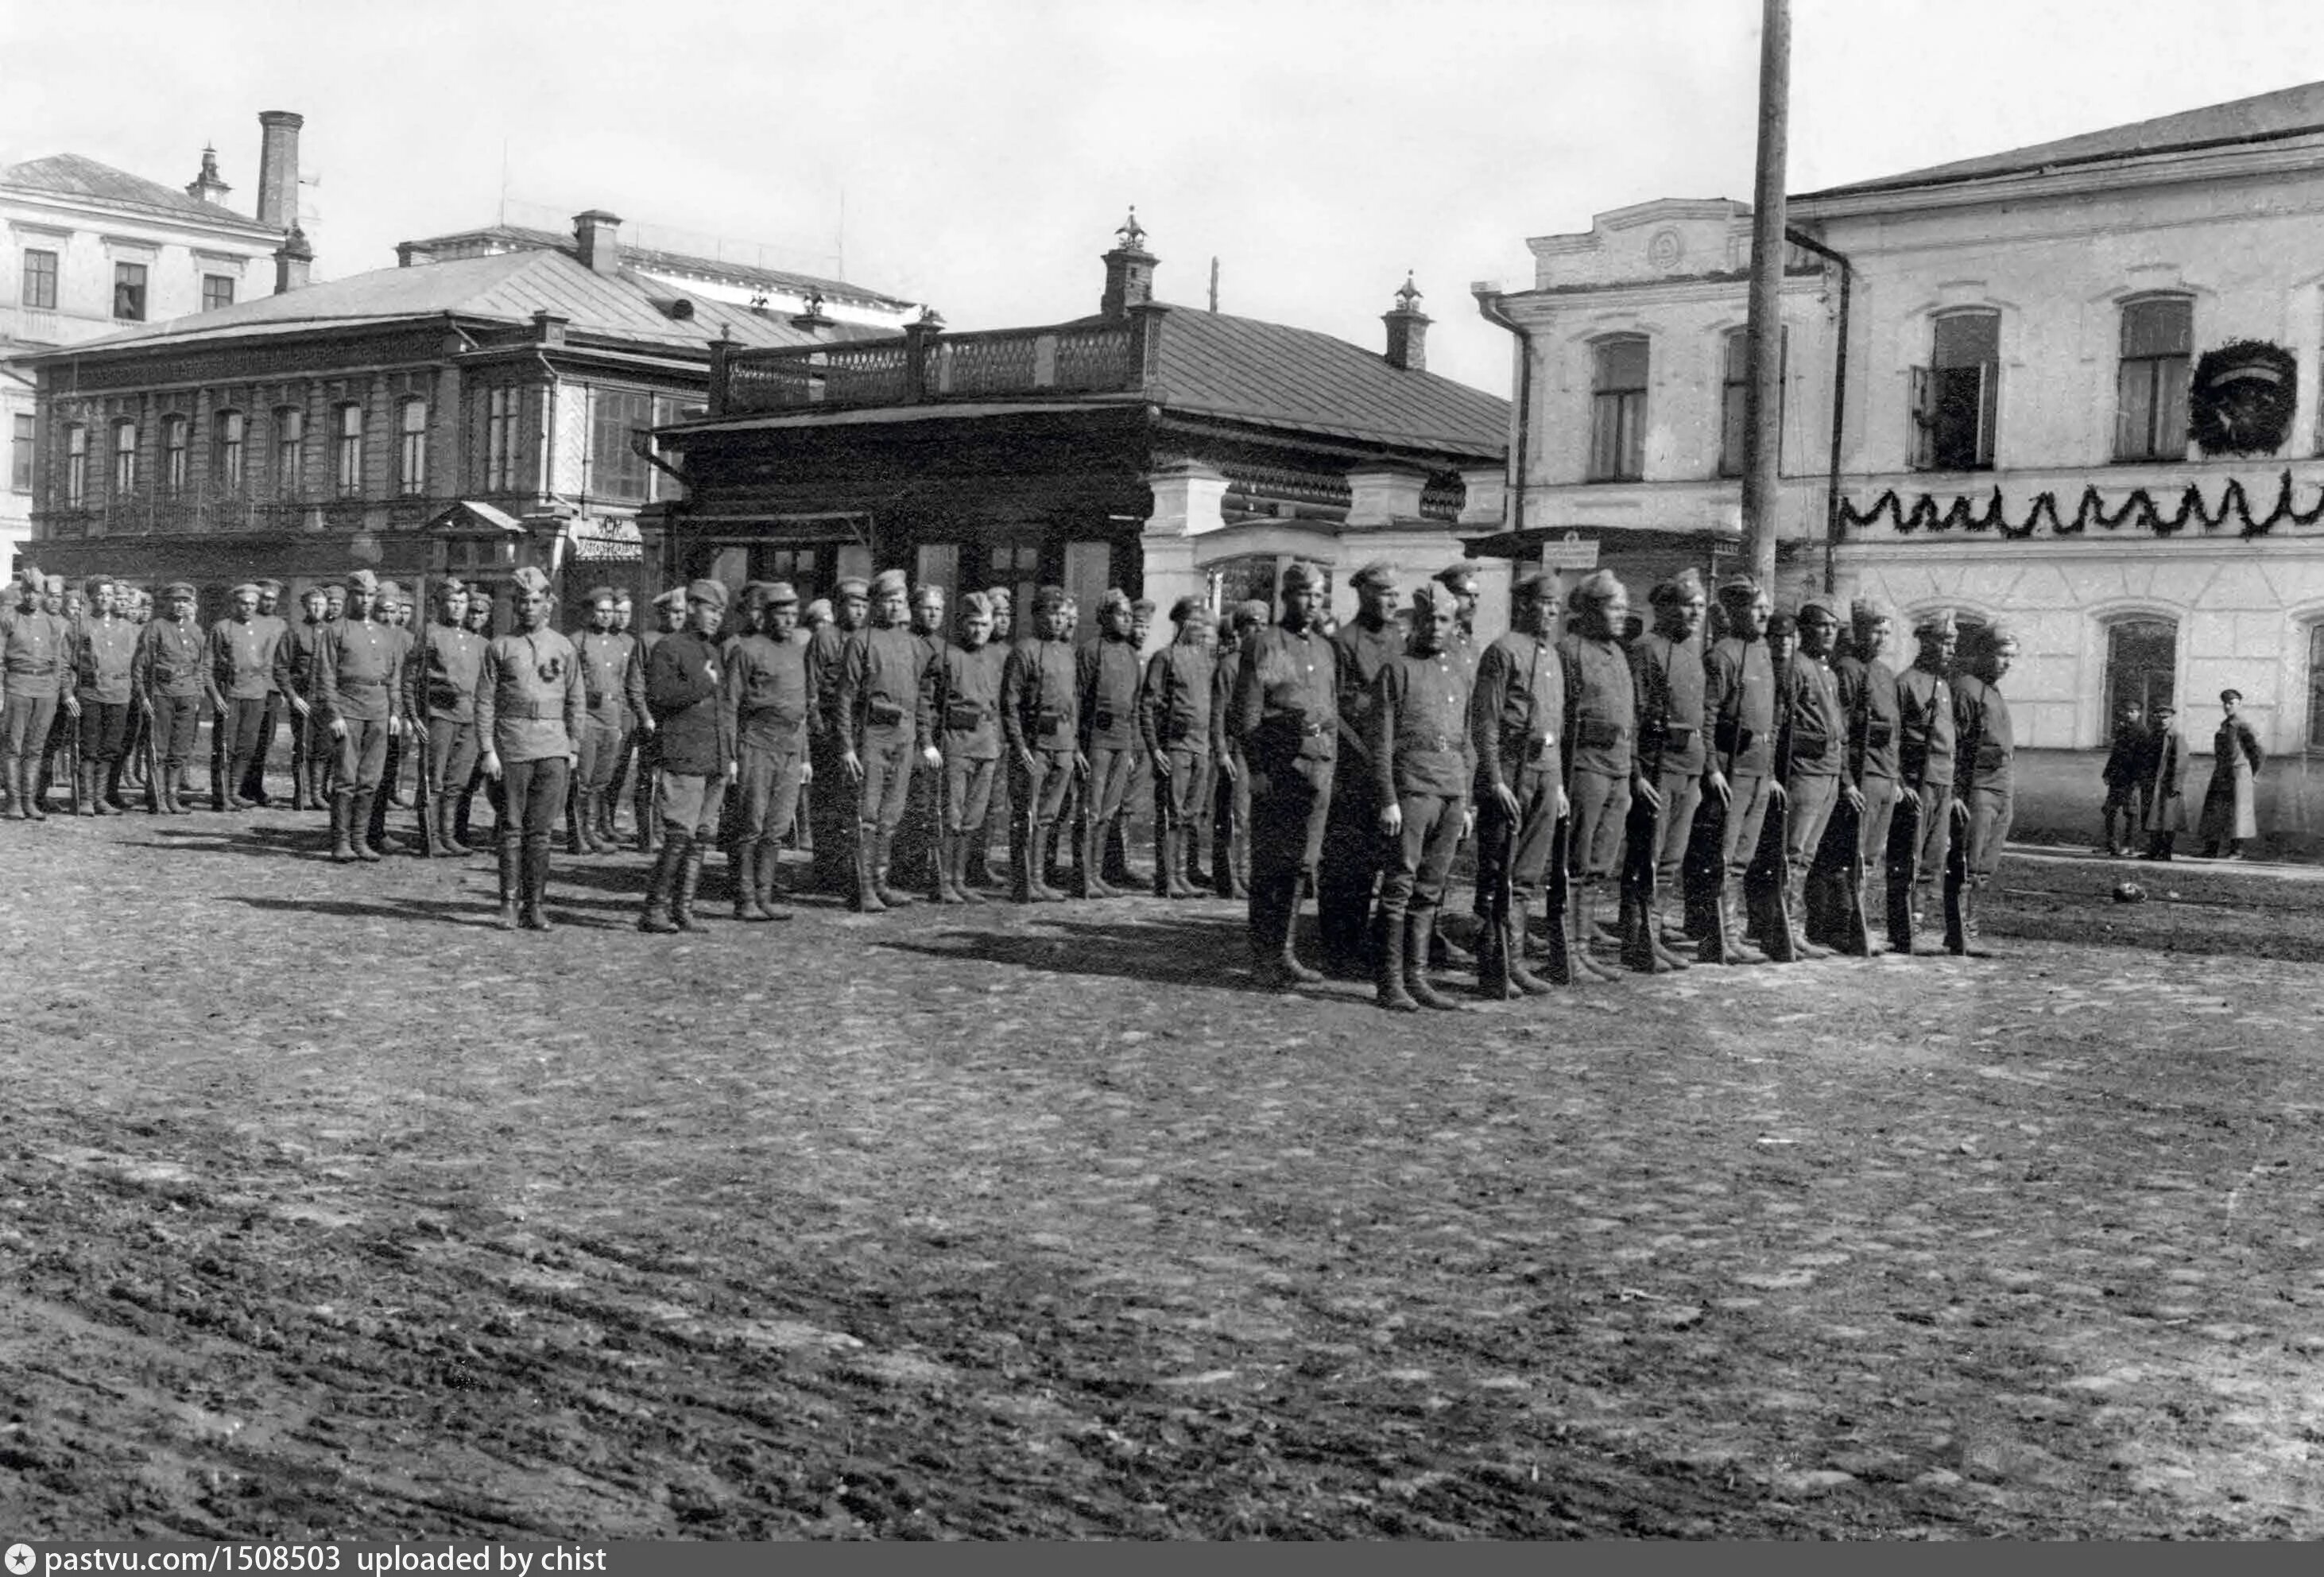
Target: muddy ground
[325,1209]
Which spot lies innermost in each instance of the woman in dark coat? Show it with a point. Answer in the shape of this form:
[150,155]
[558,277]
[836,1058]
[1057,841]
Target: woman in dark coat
[2230,813]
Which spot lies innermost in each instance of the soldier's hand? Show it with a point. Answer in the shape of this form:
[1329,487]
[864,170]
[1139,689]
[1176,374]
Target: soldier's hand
[1855,797]
[300,707]
[806,773]
[1227,770]
[646,722]
[72,706]
[492,765]
[734,770]
[1717,782]
[855,765]
[932,756]
[1564,805]
[1080,764]
[1961,811]
[1507,798]
[1645,793]
[1391,819]
[1468,820]
[1161,766]
[1025,759]
[1777,794]
[338,726]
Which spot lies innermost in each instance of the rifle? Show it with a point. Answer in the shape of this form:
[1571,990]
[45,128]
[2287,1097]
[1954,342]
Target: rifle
[421,742]
[218,757]
[150,761]
[72,733]
[1774,906]
[1641,834]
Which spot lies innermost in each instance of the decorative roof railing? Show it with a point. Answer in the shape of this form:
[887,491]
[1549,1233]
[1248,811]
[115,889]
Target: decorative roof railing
[927,366]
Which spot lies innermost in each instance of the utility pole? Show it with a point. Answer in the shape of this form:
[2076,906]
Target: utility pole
[1762,390]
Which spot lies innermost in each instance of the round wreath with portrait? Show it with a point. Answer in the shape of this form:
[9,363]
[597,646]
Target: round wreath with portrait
[2240,398]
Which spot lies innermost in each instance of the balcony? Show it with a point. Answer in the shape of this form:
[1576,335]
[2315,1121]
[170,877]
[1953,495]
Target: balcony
[928,366]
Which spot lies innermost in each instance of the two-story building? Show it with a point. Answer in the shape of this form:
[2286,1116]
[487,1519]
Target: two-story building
[89,250]
[2073,388]
[1163,449]
[462,417]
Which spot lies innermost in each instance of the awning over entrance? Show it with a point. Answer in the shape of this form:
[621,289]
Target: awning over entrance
[470,514]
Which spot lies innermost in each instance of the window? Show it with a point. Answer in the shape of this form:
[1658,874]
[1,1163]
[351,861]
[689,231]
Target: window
[669,409]
[348,459]
[1617,409]
[1733,392]
[1017,566]
[225,461]
[615,470]
[40,291]
[411,449]
[2142,667]
[124,458]
[20,453]
[76,465]
[801,566]
[1954,397]
[502,408]
[289,450]
[129,291]
[218,290]
[2315,686]
[2158,335]
[173,453]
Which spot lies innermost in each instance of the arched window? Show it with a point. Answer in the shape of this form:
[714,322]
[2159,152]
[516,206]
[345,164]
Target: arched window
[2141,667]
[347,455]
[1956,396]
[2316,685]
[289,451]
[76,465]
[2158,336]
[124,458]
[411,449]
[1617,408]
[173,453]
[225,459]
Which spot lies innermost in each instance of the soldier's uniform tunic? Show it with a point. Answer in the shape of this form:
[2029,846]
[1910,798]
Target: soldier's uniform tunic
[1106,675]
[1354,853]
[1867,693]
[242,655]
[683,681]
[105,651]
[605,658]
[1517,725]
[1667,678]
[884,685]
[168,671]
[1601,720]
[831,801]
[1986,749]
[35,661]
[1422,759]
[252,784]
[358,680]
[1286,719]
[1176,721]
[1041,720]
[765,697]
[529,707]
[1925,768]
[294,674]
[970,716]
[444,674]
[1816,756]
[1738,697]
[1231,789]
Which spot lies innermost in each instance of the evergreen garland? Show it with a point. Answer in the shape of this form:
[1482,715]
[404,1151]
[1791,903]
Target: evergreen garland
[2139,510]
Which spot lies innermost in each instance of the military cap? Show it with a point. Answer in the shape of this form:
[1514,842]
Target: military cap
[364,580]
[1936,621]
[1189,608]
[1250,614]
[1823,605]
[998,596]
[1535,585]
[319,591]
[53,583]
[2165,709]
[1302,577]
[1783,624]
[1142,605]
[270,588]
[754,592]
[248,585]
[27,574]
[1049,597]
[1683,587]
[1376,576]
[530,579]
[1863,614]
[1739,587]
[1998,635]
[818,609]
[975,606]
[854,586]
[674,598]
[1114,598]
[777,593]
[599,594]
[1457,577]
[713,592]
[89,587]
[178,588]
[1425,596]
[1597,587]
[888,582]
[389,592]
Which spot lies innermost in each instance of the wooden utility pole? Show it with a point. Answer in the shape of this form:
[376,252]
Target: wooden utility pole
[1763,391]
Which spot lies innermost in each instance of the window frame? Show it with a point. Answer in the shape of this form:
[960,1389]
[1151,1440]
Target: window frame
[348,449]
[291,443]
[504,429]
[1734,390]
[140,286]
[22,434]
[76,465]
[177,441]
[609,441]
[125,457]
[1617,411]
[411,448]
[1929,399]
[2155,368]
[229,454]
[30,273]
[2313,741]
[2115,626]
[212,284]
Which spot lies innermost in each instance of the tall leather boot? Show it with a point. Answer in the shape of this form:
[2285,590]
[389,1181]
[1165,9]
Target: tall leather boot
[1418,926]
[84,789]
[511,863]
[662,886]
[641,810]
[1586,914]
[111,802]
[104,787]
[1928,918]
[32,793]
[1165,865]
[962,848]
[343,812]
[884,855]
[1637,931]
[447,841]
[1194,838]
[1803,947]
[690,877]
[1180,884]
[532,915]
[574,842]
[1659,932]
[743,876]
[1725,945]
[1388,968]
[865,899]
[1973,942]
[361,825]
[607,804]
[770,863]
[1514,929]
[1089,851]
[16,773]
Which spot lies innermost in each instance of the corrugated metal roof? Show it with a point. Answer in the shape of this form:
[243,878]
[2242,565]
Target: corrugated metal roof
[650,261]
[507,287]
[2286,111]
[1246,369]
[78,176]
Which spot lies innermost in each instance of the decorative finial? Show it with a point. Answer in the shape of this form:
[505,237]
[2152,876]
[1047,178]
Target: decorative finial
[931,319]
[1407,299]
[209,162]
[1129,236]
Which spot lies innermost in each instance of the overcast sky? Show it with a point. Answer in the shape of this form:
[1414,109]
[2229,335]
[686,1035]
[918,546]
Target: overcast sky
[984,151]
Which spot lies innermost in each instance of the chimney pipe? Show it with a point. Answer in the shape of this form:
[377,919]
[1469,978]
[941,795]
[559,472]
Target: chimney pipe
[408,253]
[595,232]
[293,260]
[1128,270]
[1408,330]
[278,169]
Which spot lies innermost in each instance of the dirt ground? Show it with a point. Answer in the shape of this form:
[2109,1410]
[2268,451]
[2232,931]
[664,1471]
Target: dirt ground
[327,1209]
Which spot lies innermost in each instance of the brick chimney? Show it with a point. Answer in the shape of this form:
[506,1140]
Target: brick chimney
[1408,330]
[278,169]
[294,260]
[595,234]
[1128,270]
[206,187]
